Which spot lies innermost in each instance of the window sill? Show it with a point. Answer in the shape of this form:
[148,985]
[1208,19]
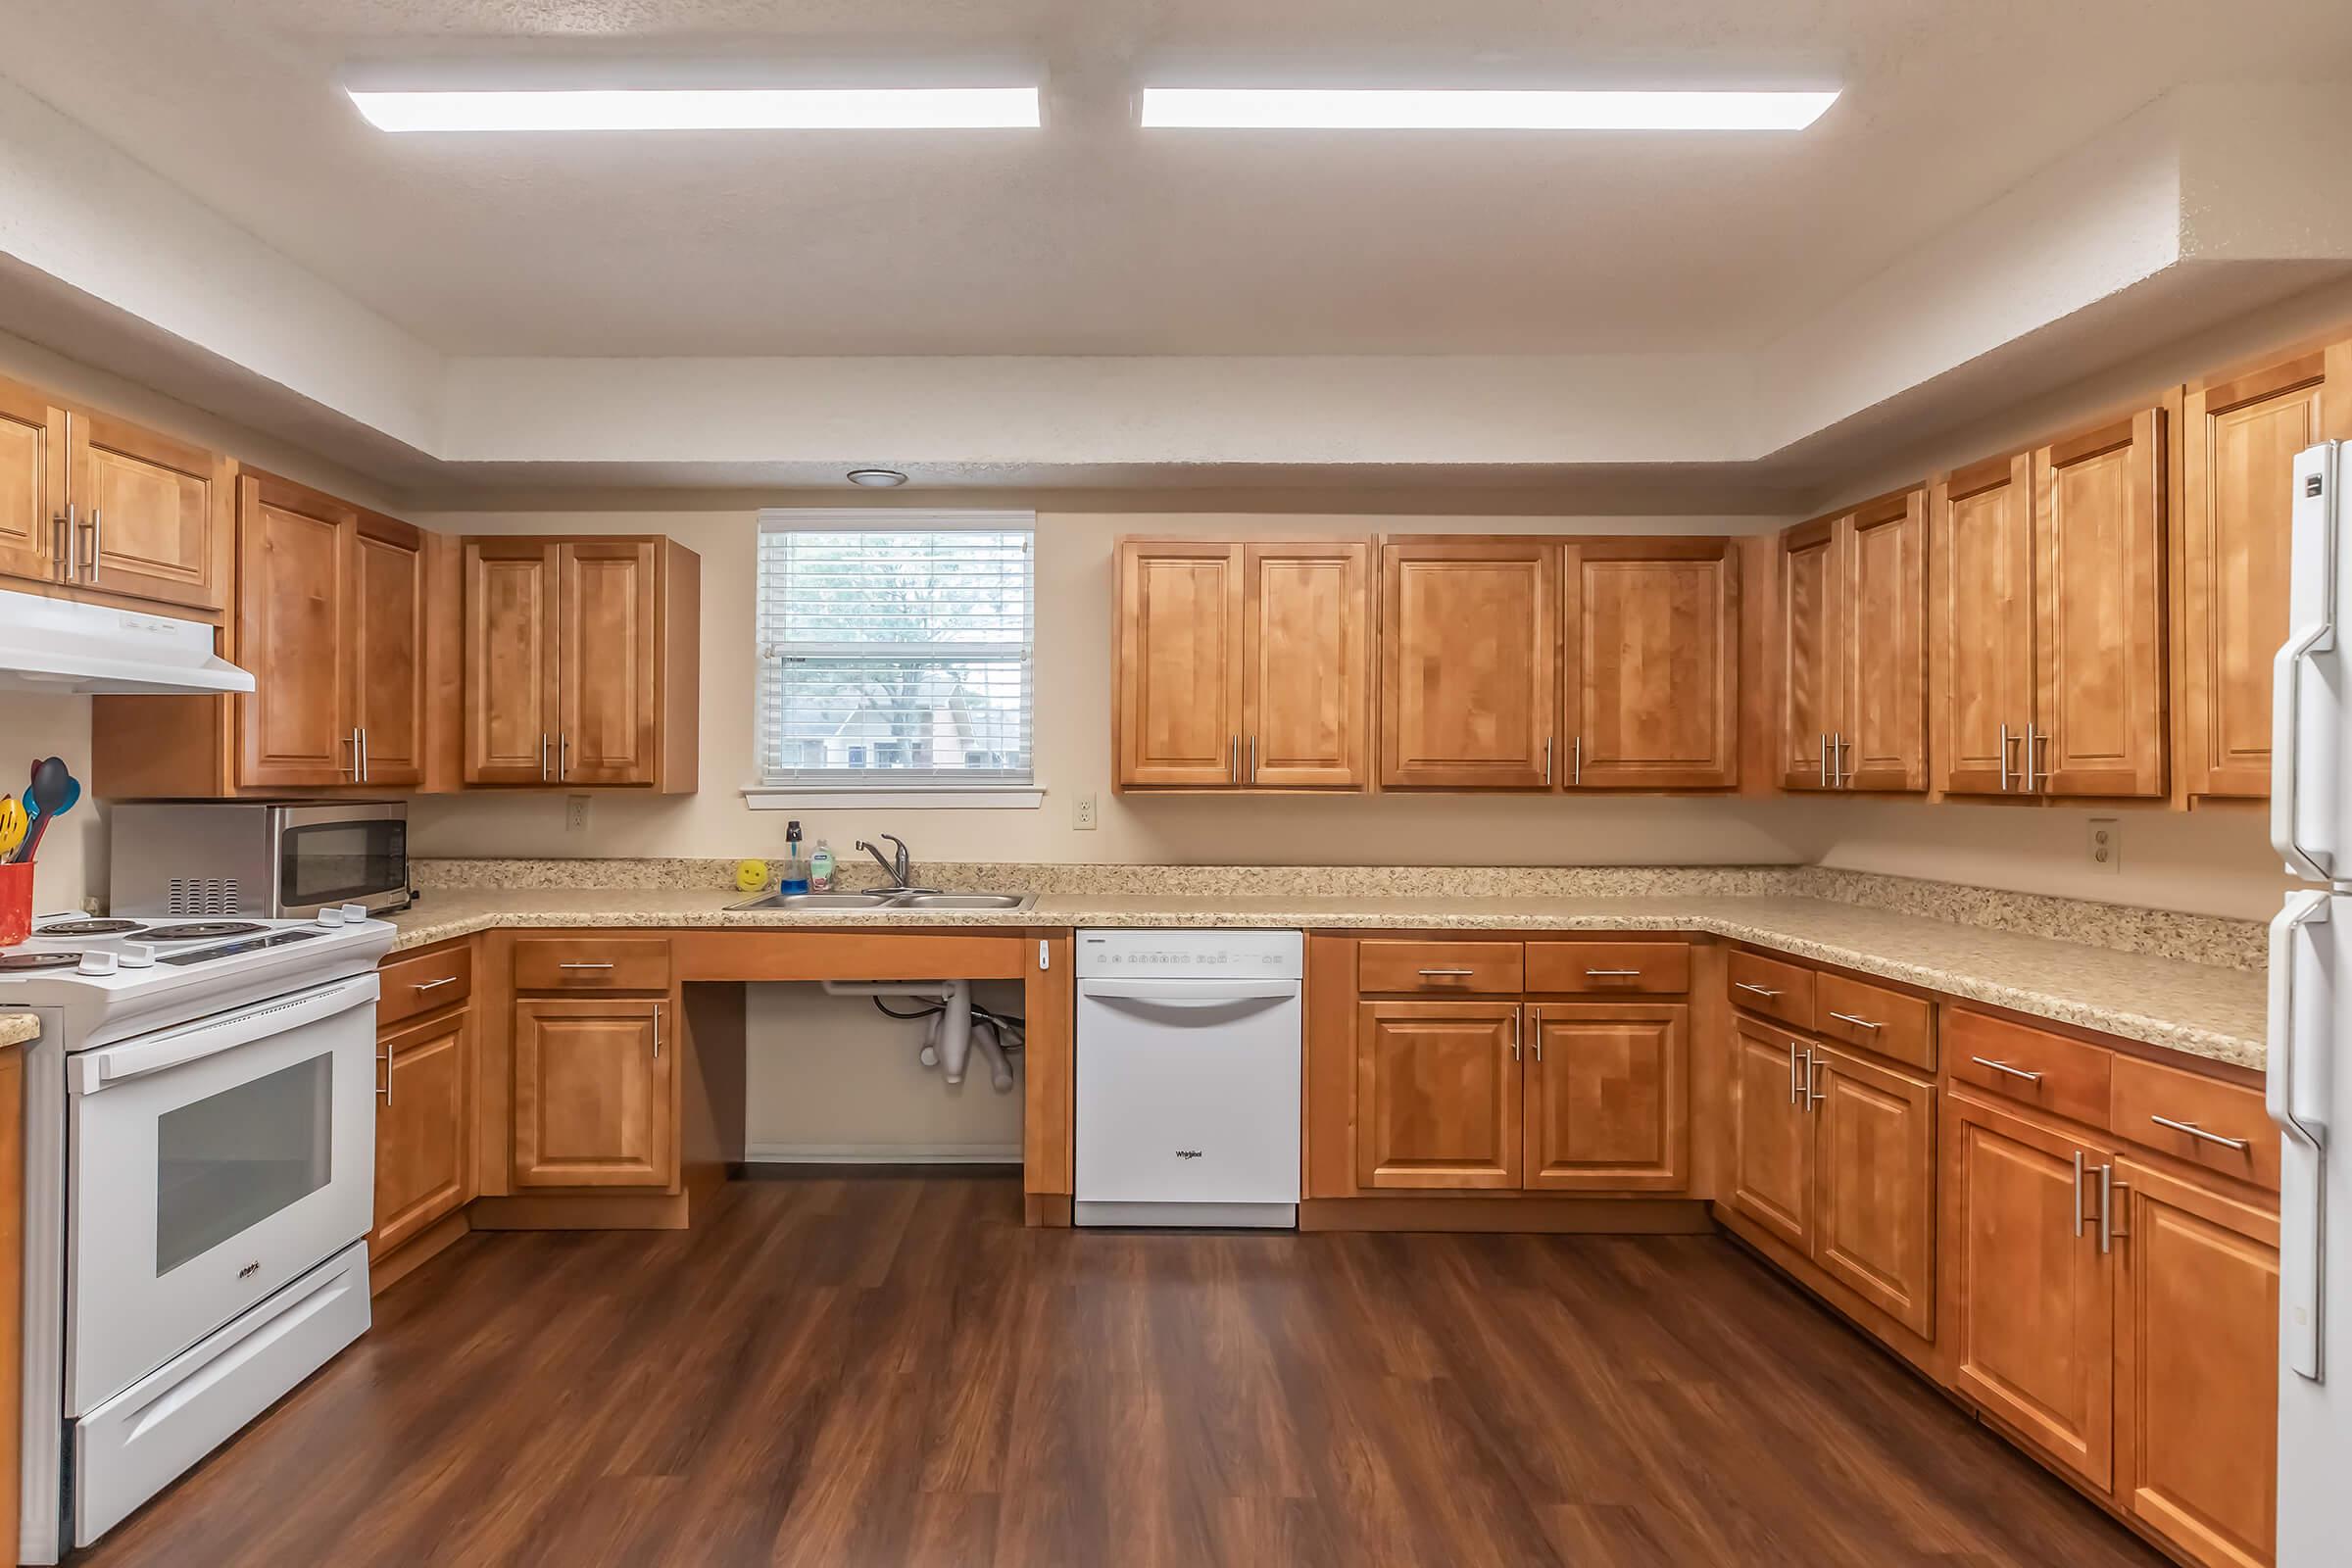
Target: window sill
[805,798]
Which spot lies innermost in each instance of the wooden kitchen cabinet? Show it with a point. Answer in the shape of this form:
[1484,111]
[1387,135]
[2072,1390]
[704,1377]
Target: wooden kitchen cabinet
[1771,1177]
[596,1092]
[388,583]
[32,437]
[1243,665]
[2032,1296]
[1438,1095]
[2049,621]
[2196,1388]
[2239,435]
[1649,677]
[1874,1203]
[581,661]
[1853,671]
[1810,679]
[1469,663]
[1608,1095]
[424,1126]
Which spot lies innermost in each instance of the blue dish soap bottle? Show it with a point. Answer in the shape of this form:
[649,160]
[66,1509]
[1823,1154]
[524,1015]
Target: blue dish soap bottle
[795,876]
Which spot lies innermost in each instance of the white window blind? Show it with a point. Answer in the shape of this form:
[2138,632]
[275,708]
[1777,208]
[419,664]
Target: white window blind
[895,649]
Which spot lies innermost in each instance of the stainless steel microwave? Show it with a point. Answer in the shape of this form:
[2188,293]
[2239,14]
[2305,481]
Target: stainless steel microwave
[263,859]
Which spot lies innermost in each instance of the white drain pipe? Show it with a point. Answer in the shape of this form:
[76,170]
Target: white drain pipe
[947,1043]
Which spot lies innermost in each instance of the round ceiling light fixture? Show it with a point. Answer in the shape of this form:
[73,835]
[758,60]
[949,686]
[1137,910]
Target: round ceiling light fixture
[876,478]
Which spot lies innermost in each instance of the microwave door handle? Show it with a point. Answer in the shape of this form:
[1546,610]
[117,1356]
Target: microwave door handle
[97,1070]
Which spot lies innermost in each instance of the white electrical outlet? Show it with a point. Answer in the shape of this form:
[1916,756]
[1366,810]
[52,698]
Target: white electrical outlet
[1082,814]
[2106,845]
[575,813]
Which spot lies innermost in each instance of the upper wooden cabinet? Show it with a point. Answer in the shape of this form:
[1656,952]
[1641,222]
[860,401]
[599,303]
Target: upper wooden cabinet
[1650,633]
[2238,437]
[2050,660]
[97,505]
[1243,665]
[1852,667]
[1469,663]
[581,661]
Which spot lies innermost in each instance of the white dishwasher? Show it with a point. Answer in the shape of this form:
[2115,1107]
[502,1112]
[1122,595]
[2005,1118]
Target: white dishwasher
[1188,1077]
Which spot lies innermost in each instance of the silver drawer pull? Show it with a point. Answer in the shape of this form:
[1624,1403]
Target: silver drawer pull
[1613,974]
[1433,974]
[1761,991]
[435,985]
[1859,1023]
[584,966]
[2002,1066]
[2196,1131]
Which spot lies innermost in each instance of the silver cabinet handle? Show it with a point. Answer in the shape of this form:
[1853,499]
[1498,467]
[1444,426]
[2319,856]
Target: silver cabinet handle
[2199,1133]
[656,1031]
[2077,1192]
[1578,759]
[1233,759]
[1813,1094]
[386,1060]
[1436,973]
[1536,1037]
[352,767]
[64,563]
[1859,1023]
[1251,775]
[2002,1066]
[2004,758]
[2108,1188]
[435,985]
[2035,777]
[1840,776]
[362,732]
[1761,991]
[95,521]
[1824,758]
[562,754]
[1547,759]
[1793,1090]
[543,757]
[1514,1034]
[1614,974]
[576,965]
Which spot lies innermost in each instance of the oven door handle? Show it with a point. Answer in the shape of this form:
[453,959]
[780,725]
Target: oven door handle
[96,1070]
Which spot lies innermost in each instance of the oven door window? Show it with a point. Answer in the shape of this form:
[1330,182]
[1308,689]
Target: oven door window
[229,1161]
[330,863]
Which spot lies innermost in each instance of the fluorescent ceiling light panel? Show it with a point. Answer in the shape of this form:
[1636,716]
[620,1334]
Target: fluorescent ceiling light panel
[704,108]
[1475,109]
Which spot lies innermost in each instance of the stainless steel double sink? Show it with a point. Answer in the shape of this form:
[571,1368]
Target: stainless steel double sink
[886,901]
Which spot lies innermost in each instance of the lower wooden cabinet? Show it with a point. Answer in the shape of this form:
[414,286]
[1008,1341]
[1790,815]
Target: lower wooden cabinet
[2196,1388]
[1608,1095]
[424,1126]
[1438,1095]
[1771,1177]
[596,1094]
[2033,1323]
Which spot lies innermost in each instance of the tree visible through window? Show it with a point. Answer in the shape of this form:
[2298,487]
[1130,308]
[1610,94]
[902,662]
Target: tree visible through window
[894,648]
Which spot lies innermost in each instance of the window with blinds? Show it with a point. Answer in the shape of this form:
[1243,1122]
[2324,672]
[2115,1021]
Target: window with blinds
[895,649]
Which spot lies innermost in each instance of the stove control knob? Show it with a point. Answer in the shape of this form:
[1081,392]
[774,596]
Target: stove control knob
[96,963]
[136,954]
[332,915]
[354,913]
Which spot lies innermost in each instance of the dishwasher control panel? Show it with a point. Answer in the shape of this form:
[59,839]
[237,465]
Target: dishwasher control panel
[1191,955]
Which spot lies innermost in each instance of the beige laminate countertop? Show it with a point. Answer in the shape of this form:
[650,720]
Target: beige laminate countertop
[2202,1010]
[18,1027]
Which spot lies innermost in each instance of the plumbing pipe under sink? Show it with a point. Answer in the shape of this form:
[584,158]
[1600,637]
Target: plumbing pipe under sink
[951,1038]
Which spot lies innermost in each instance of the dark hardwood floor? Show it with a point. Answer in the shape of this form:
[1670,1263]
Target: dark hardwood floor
[889,1369]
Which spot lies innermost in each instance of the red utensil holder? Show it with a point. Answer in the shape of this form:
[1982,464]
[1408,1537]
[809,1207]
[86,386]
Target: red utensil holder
[16,903]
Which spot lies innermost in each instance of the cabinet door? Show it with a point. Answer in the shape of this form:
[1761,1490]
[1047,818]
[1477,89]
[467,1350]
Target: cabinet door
[2033,1296]
[510,662]
[1651,629]
[1179,701]
[294,598]
[1436,1095]
[1811,658]
[387,618]
[606,639]
[1882,723]
[1772,1132]
[594,1094]
[2237,437]
[1306,613]
[153,513]
[2197,1368]
[1983,539]
[1874,1215]
[32,484]
[2098,578]
[1469,662]
[1608,1105]
[424,1126]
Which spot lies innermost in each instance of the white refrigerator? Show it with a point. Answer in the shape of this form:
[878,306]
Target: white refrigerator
[2310,1087]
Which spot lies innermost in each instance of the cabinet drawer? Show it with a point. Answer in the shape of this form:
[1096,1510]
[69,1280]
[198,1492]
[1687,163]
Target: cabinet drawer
[592,964]
[2063,1076]
[1772,988]
[2145,1095]
[1656,967]
[418,983]
[1875,1018]
[1482,968]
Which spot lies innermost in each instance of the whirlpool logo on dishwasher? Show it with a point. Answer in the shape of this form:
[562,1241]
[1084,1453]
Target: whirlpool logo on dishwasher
[1188,1154]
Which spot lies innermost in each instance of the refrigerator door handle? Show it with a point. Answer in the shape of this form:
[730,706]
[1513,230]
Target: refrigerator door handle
[2294,1085]
[2311,564]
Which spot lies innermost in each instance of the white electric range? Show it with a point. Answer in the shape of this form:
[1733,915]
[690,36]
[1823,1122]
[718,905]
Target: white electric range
[200,1162]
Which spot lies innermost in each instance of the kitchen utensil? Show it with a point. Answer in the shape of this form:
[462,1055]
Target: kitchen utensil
[54,791]
[13,827]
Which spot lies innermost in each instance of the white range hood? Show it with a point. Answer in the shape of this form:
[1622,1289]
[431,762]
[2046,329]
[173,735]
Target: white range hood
[59,646]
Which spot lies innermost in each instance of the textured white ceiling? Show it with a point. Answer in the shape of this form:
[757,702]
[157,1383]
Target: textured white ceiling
[1092,238]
